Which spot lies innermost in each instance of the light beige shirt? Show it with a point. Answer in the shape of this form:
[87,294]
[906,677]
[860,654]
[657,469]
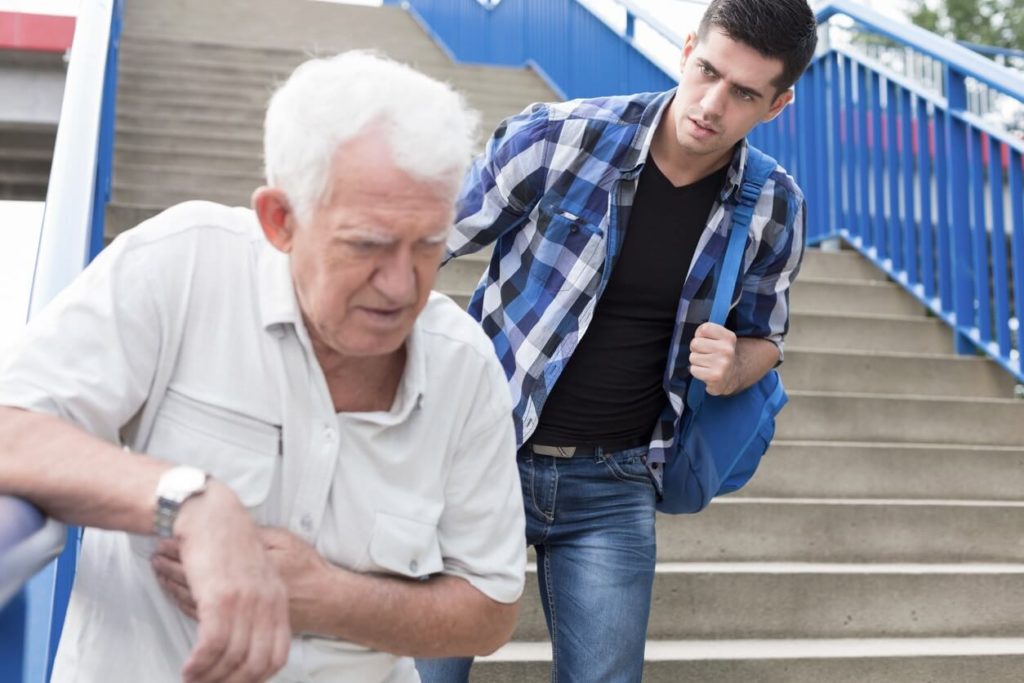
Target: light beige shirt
[184,340]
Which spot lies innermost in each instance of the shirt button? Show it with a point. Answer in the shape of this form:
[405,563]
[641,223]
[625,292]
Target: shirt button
[414,566]
[306,522]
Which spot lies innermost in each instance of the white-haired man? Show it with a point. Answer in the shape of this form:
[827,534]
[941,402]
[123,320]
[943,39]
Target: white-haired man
[326,447]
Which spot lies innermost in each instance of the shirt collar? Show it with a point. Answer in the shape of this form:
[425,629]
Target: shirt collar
[278,305]
[640,148]
[633,161]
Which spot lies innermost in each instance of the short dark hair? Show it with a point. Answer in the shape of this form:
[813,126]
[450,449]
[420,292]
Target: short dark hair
[778,29]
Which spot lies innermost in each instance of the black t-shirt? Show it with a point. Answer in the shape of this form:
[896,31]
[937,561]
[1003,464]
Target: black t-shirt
[610,393]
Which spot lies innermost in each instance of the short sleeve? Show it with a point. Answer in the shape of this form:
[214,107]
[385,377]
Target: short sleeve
[482,529]
[89,357]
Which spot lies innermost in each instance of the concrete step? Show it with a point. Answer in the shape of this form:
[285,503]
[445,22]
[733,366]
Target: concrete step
[845,660]
[237,144]
[184,158]
[821,416]
[931,471]
[852,296]
[887,333]
[894,373]
[838,265]
[28,136]
[398,42]
[18,185]
[224,193]
[722,600]
[495,81]
[197,179]
[734,529]
[25,159]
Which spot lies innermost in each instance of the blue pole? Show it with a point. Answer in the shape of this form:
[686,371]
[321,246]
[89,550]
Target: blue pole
[960,220]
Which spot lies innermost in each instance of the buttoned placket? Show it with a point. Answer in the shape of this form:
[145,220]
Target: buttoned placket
[311,445]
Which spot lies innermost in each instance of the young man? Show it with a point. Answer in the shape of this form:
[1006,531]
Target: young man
[325,446]
[608,216]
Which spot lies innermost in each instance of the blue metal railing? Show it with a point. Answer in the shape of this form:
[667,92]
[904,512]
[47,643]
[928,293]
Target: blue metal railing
[927,190]
[72,233]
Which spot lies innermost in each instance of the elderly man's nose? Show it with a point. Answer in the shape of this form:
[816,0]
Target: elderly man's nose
[396,279]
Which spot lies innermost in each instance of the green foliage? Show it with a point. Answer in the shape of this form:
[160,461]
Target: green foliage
[999,23]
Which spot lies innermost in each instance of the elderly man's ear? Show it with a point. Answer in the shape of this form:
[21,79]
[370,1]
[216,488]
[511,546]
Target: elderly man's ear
[275,214]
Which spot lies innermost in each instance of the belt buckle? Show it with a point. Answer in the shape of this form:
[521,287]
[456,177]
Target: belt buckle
[554,451]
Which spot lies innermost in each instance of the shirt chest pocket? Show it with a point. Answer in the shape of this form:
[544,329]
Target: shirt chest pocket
[403,546]
[567,251]
[238,450]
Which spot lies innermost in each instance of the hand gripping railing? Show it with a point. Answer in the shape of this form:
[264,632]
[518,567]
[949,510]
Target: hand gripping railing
[28,541]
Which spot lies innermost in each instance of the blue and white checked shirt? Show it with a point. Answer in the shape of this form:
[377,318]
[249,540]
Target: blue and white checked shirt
[553,191]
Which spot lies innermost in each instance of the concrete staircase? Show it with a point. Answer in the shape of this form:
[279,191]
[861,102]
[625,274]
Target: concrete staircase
[26,150]
[195,78]
[881,541]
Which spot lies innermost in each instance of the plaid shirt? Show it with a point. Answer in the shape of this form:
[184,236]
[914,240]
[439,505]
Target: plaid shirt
[553,191]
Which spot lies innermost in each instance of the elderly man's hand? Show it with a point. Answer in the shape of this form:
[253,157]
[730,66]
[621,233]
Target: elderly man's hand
[713,359]
[220,574]
[298,564]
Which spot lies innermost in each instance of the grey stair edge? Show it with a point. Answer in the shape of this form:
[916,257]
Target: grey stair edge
[861,353]
[775,648]
[903,398]
[897,445]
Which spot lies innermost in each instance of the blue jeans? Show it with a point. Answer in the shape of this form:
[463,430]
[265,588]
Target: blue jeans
[591,520]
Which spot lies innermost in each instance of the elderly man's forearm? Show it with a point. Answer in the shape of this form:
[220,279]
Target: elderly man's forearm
[444,616]
[73,476]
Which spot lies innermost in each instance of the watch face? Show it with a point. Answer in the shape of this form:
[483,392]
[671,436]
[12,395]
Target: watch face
[185,480]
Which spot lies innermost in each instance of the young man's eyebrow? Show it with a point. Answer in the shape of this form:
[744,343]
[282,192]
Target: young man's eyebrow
[746,90]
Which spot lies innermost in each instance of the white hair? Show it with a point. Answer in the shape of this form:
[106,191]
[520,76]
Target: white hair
[430,130]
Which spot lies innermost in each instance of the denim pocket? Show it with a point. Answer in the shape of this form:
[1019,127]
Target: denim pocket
[629,466]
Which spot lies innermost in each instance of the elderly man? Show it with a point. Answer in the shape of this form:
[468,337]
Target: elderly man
[326,447]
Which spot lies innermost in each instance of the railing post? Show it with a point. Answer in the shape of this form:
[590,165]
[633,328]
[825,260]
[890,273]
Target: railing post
[630,25]
[960,222]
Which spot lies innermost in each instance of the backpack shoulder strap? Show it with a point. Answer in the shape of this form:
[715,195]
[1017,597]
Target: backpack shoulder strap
[758,169]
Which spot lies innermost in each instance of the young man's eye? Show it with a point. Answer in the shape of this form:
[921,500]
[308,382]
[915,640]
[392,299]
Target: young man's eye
[705,70]
[745,96]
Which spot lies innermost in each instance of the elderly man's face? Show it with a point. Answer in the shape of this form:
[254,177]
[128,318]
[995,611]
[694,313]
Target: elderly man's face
[364,264]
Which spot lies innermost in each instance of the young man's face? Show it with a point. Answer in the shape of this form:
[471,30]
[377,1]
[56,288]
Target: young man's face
[726,88]
[364,264]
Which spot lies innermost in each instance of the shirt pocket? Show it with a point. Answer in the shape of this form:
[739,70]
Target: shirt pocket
[403,546]
[240,451]
[566,250]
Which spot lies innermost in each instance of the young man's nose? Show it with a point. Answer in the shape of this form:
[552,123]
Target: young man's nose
[714,101]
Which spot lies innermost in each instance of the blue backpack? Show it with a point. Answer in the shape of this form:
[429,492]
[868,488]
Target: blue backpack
[723,438]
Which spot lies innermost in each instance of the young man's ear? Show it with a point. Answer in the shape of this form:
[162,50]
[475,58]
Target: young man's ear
[782,100]
[688,46]
[276,217]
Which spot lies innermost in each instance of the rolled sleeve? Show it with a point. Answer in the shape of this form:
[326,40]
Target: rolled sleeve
[763,308]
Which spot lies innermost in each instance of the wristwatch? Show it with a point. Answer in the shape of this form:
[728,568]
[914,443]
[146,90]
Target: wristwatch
[176,485]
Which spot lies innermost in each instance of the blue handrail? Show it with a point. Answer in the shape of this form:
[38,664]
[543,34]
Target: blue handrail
[71,234]
[908,175]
